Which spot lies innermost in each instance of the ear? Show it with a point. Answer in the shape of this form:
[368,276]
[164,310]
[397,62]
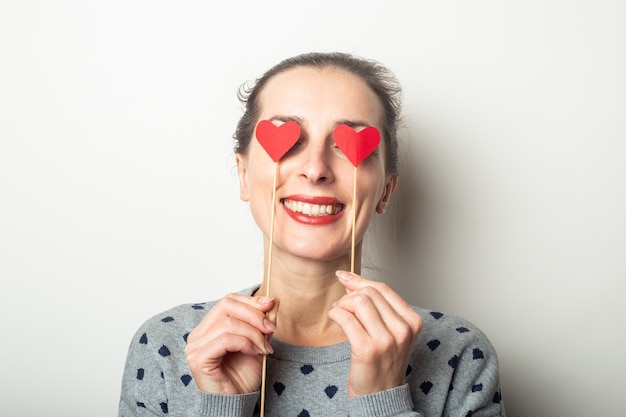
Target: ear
[242,171]
[391,185]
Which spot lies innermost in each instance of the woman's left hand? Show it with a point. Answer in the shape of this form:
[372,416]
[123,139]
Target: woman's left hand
[381,328]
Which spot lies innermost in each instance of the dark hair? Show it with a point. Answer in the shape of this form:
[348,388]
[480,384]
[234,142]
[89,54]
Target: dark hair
[382,82]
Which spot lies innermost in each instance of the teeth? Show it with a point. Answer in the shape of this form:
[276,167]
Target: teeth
[313,209]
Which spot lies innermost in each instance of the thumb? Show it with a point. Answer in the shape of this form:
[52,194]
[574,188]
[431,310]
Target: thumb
[350,280]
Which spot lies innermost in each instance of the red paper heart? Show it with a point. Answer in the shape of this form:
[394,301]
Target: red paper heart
[356,145]
[277,140]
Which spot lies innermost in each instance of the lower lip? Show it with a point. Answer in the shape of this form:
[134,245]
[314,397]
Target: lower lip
[314,220]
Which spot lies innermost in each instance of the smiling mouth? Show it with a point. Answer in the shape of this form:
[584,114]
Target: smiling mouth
[314,210]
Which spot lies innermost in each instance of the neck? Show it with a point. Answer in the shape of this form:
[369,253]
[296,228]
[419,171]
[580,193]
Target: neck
[306,290]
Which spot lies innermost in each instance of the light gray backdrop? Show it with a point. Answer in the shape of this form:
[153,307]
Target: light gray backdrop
[118,197]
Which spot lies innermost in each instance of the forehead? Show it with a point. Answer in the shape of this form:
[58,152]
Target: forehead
[320,94]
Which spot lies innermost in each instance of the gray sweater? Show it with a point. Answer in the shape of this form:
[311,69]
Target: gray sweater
[453,372]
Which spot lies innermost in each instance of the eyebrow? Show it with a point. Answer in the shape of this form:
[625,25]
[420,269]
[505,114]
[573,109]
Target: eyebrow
[297,119]
[352,123]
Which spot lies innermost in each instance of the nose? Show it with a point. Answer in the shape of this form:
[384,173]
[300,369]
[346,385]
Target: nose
[316,164]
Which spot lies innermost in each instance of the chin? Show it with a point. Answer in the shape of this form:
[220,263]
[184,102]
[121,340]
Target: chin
[322,253]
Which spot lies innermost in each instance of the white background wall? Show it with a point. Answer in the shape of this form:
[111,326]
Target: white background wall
[118,197]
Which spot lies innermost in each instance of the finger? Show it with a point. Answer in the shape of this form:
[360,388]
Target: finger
[247,309]
[226,327]
[374,313]
[216,349]
[272,314]
[355,282]
[351,326]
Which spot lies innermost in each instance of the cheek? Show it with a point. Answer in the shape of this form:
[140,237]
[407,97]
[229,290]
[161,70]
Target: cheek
[260,190]
[260,187]
[261,169]
[260,201]
[370,183]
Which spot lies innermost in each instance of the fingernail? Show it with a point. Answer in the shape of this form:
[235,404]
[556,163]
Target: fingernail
[265,300]
[268,348]
[269,325]
[343,275]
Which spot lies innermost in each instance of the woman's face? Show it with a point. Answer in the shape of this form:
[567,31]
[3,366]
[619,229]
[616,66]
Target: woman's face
[314,182]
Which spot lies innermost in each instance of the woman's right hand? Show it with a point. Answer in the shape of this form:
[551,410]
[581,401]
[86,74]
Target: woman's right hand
[224,352]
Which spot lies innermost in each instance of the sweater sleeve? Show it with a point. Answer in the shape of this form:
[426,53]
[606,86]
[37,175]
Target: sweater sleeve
[143,387]
[152,384]
[475,386]
[226,405]
[394,402]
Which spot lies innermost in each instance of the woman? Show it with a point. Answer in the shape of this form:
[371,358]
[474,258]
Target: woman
[337,343]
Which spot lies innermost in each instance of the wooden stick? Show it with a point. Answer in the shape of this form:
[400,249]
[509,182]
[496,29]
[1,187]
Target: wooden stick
[268,280]
[354,204]
[264,374]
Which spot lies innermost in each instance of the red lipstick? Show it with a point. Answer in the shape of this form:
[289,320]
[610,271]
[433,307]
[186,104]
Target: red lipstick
[313,210]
